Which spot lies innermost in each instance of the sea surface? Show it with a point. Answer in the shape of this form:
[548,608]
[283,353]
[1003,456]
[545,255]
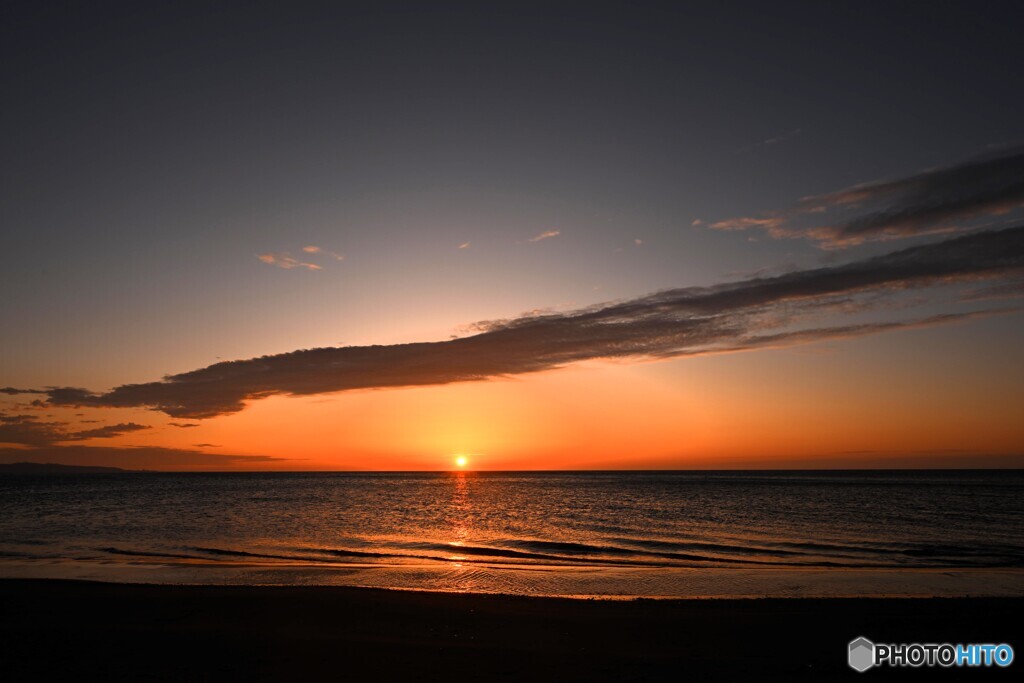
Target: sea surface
[602,534]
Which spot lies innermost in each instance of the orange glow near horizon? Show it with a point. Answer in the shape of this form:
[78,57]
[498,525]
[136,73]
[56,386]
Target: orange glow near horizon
[469,241]
[767,409]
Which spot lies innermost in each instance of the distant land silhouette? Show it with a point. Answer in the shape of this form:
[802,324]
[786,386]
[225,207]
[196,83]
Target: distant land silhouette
[53,468]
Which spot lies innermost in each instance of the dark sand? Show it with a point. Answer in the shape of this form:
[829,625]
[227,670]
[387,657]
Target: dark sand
[93,631]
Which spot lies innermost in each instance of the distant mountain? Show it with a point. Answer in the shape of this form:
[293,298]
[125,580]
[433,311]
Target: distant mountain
[52,468]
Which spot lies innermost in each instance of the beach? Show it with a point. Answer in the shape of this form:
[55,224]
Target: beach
[104,631]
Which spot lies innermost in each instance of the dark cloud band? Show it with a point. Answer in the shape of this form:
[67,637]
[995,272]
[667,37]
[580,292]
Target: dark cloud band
[942,200]
[139,457]
[750,313]
[29,431]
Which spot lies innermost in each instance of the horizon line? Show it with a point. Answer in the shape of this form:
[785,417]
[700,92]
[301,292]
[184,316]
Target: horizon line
[524,471]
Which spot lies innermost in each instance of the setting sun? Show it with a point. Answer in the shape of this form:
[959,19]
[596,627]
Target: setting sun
[461,461]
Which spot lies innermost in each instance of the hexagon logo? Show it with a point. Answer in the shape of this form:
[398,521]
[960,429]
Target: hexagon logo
[861,654]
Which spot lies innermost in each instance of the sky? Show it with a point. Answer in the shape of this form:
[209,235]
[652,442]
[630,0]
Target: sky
[307,236]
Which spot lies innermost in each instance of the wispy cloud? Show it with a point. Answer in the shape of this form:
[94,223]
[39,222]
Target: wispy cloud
[37,441]
[769,141]
[1008,289]
[28,430]
[183,425]
[283,260]
[547,234]
[945,200]
[145,457]
[464,245]
[792,308]
[106,431]
[313,249]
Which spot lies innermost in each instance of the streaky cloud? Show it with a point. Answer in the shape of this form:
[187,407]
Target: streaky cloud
[137,457]
[745,314]
[28,430]
[818,334]
[107,431]
[286,261]
[769,141]
[547,234]
[945,200]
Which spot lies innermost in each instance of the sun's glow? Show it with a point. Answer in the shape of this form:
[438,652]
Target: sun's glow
[461,461]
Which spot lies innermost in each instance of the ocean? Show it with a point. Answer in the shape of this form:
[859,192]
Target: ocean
[596,534]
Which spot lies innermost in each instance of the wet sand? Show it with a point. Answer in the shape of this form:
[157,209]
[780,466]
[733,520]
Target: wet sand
[96,631]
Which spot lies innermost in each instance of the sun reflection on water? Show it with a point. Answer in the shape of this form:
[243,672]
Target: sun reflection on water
[460,513]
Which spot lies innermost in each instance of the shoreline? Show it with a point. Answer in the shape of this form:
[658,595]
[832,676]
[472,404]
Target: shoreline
[92,630]
[718,583]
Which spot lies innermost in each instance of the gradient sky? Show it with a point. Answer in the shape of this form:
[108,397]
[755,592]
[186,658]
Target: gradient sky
[634,235]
